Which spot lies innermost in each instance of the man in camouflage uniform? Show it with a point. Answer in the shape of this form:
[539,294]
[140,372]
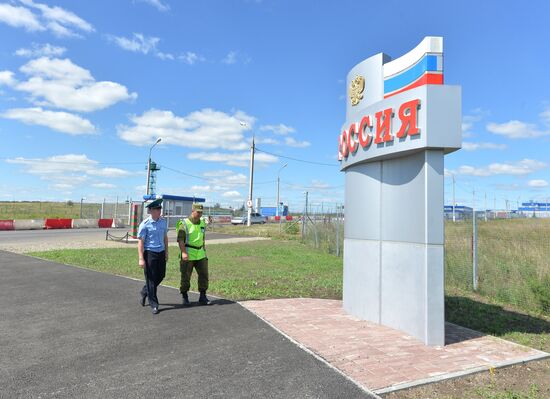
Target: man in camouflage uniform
[191,241]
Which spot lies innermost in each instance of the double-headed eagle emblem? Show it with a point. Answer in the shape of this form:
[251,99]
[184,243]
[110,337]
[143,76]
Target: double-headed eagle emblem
[356,88]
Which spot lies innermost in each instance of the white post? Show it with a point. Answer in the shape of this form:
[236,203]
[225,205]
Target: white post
[249,204]
[485,213]
[454,203]
[474,242]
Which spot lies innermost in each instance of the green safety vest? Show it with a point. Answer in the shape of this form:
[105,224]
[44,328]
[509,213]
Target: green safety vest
[194,238]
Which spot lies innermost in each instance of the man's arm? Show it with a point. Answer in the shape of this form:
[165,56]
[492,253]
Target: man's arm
[181,243]
[141,261]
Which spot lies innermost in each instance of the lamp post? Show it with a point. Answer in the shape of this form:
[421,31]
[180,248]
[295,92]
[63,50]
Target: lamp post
[149,166]
[278,184]
[81,201]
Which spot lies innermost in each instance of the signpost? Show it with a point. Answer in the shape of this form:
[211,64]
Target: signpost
[400,122]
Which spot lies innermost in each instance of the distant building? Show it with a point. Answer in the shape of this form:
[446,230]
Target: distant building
[272,211]
[461,212]
[174,207]
[535,209]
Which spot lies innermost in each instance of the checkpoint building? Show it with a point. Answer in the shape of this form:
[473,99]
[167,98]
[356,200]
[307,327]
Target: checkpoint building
[174,207]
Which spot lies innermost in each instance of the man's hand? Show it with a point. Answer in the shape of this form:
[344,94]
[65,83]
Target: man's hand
[184,256]
[141,263]
[166,256]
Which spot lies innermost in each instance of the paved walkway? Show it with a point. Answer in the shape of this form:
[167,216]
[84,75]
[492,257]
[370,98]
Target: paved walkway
[379,358]
[67,332]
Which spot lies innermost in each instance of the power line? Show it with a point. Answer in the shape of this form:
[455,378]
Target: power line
[211,180]
[296,159]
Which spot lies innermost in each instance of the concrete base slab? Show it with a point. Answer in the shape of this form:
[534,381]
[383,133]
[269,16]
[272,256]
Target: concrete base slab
[382,359]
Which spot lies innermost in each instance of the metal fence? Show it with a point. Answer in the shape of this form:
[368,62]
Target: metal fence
[503,260]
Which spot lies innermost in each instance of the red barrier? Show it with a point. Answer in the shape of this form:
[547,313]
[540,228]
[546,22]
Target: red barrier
[277,218]
[289,217]
[6,225]
[58,223]
[105,223]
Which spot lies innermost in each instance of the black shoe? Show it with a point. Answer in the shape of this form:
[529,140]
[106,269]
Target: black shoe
[185,300]
[155,310]
[142,300]
[203,300]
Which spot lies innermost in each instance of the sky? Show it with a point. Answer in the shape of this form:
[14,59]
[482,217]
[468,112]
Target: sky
[86,88]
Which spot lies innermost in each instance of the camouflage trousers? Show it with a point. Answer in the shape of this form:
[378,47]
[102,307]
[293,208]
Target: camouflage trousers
[186,269]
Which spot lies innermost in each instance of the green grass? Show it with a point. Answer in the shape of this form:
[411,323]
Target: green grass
[254,270]
[513,261]
[286,269]
[41,210]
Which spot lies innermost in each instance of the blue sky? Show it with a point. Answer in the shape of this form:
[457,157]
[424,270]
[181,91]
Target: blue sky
[87,87]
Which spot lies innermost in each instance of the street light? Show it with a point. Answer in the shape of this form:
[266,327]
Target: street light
[81,200]
[149,166]
[278,184]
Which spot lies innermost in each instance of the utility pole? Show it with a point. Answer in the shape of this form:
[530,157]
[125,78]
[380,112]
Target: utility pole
[251,178]
[454,216]
[149,166]
[304,222]
[474,242]
[485,213]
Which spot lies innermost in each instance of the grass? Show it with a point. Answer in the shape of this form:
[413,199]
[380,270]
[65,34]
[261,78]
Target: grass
[254,270]
[271,269]
[513,261]
[41,210]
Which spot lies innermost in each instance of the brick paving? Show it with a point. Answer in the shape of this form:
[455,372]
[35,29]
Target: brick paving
[379,358]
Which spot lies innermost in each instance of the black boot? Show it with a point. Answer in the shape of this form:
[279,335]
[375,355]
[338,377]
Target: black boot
[203,300]
[185,299]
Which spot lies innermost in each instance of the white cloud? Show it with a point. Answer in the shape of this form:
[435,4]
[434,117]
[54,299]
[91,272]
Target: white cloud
[103,185]
[57,20]
[267,140]
[68,169]
[205,129]
[482,146]
[6,78]
[519,168]
[62,186]
[291,142]
[137,44]
[232,194]
[20,17]
[545,116]
[218,173]
[109,172]
[232,159]
[516,129]
[537,183]
[159,5]
[278,129]
[230,58]
[41,50]
[60,83]
[61,121]
[191,58]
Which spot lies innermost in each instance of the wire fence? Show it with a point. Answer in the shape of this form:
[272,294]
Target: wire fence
[512,256]
[69,210]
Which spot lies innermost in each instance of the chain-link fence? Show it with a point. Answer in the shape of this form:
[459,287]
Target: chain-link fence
[69,210]
[512,265]
[512,255]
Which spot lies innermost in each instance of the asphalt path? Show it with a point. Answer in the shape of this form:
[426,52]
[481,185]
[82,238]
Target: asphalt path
[92,234]
[67,332]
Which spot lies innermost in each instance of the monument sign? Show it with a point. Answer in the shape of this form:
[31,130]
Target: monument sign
[400,121]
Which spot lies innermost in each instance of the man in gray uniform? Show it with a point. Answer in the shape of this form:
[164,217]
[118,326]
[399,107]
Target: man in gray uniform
[153,253]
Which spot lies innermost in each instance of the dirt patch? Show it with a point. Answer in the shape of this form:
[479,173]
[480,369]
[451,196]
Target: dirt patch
[524,381]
